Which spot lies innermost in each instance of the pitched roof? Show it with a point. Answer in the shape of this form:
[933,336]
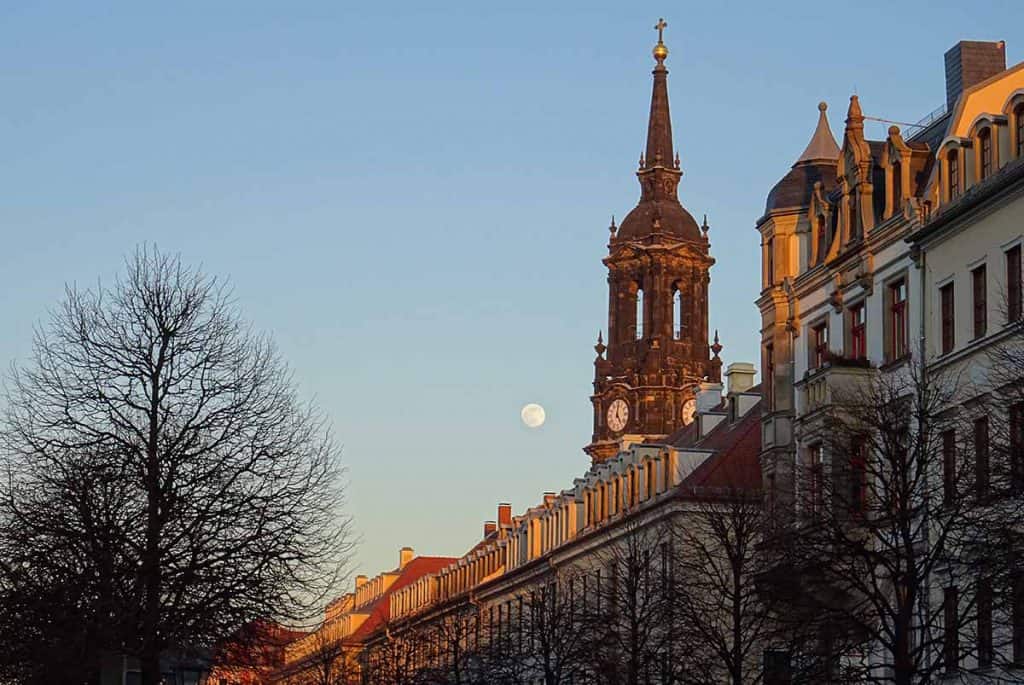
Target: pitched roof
[380,608]
[735,447]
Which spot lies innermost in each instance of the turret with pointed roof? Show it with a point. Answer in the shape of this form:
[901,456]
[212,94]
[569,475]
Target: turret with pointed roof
[817,163]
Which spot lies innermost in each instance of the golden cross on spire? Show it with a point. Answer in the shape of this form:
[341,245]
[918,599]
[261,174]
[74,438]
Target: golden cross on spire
[661,26]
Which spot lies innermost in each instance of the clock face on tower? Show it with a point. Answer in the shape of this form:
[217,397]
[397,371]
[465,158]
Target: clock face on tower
[689,408]
[618,415]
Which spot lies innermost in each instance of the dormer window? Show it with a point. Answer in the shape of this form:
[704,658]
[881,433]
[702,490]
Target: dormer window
[1018,118]
[854,229]
[985,153]
[953,174]
[897,187]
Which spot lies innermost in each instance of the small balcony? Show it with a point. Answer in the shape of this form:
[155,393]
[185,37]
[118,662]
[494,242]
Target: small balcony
[836,379]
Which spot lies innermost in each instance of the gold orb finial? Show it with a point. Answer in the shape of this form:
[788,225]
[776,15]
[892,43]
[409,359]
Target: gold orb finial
[660,51]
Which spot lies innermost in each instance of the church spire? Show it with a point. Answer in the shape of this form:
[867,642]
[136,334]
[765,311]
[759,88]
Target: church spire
[659,127]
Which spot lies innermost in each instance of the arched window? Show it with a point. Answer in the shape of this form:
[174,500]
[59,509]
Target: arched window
[639,313]
[897,187]
[953,174]
[677,313]
[985,152]
[820,236]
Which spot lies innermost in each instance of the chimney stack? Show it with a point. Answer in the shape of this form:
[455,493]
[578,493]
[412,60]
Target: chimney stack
[489,527]
[970,62]
[404,557]
[360,581]
[549,497]
[739,377]
[504,514]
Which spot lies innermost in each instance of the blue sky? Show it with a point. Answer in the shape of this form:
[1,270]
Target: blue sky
[413,197]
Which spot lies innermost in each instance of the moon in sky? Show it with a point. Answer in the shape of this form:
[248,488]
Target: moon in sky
[533,415]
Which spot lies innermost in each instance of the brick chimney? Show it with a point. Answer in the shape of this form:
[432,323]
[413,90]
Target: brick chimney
[360,581]
[549,497]
[489,527]
[405,555]
[970,62]
[504,514]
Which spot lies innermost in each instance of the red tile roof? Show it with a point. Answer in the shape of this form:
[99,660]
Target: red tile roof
[735,446]
[380,608]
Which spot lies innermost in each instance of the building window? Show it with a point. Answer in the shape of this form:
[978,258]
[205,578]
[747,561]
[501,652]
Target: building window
[859,477]
[858,332]
[819,345]
[981,460]
[770,262]
[821,238]
[1017,615]
[854,227]
[985,143]
[815,481]
[1013,284]
[951,634]
[979,289]
[953,174]
[984,602]
[897,319]
[1017,446]
[769,376]
[1019,118]
[949,467]
[897,187]
[947,304]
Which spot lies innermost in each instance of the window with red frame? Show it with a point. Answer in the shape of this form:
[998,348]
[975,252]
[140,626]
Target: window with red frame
[1017,615]
[858,477]
[980,303]
[947,304]
[858,331]
[949,467]
[1017,446]
[951,632]
[897,319]
[981,459]
[1013,284]
[815,482]
[819,345]
[983,600]
[985,139]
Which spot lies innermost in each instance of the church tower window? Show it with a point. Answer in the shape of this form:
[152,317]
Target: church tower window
[677,314]
[640,314]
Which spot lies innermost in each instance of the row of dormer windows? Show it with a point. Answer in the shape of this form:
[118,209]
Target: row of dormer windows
[961,168]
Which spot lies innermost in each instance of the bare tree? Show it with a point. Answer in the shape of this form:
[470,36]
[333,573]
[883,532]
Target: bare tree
[721,623]
[391,659]
[196,491]
[627,607]
[327,661]
[895,523]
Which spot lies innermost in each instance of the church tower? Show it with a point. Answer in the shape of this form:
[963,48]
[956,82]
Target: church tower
[658,260]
